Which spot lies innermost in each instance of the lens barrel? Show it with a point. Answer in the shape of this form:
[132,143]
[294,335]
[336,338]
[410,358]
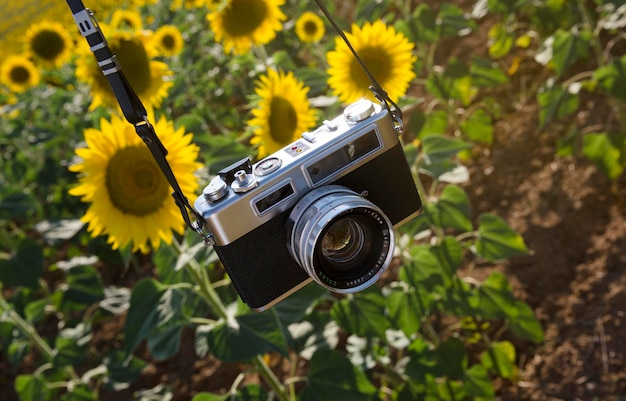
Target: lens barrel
[342,240]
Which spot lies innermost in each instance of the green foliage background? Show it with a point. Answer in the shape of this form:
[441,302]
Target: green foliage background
[427,332]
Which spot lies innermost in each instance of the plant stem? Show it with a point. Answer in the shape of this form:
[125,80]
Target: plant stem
[27,329]
[595,42]
[270,378]
[213,299]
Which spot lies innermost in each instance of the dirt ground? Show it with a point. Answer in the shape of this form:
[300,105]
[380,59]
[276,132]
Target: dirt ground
[574,223]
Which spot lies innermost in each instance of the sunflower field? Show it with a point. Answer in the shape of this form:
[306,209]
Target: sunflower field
[103,289]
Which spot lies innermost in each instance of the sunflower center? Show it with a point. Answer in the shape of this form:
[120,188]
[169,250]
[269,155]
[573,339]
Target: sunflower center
[283,120]
[134,182]
[310,27]
[168,42]
[20,75]
[48,45]
[242,17]
[378,61]
[134,60]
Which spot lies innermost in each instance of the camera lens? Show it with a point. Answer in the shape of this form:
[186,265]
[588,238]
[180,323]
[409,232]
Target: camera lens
[343,241]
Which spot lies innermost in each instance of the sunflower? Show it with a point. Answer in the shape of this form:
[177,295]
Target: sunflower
[310,27]
[168,40]
[128,194]
[49,43]
[239,24]
[149,78]
[388,55]
[18,73]
[282,113]
[126,20]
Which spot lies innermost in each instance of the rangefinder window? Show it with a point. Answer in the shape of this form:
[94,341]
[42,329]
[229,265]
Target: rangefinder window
[276,197]
[326,167]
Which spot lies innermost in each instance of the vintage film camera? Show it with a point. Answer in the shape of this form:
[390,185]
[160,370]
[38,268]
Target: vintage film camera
[323,208]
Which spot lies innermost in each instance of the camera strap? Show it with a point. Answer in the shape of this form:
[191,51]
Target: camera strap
[135,113]
[133,110]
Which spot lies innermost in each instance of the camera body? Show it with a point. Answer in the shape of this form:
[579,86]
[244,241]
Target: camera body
[322,208]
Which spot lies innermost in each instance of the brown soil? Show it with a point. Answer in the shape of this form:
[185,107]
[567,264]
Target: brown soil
[574,223]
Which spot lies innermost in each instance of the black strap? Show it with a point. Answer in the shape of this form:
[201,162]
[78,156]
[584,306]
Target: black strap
[133,109]
[375,87]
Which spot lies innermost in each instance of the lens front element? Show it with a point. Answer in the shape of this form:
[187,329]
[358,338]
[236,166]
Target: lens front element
[342,240]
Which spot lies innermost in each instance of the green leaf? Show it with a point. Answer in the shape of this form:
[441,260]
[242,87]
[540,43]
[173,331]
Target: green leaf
[84,288]
[16,352]
[439,147]
[500,40]
[449,252]
[71,345]
[16,205]
[24,267]
[505,7]
[495,298]
[152,305]
[426,269]
[362,314]
[525,324]
[567,145]
[31,388]
[407,306]
[332,377]
[164,341]
[497,240]
[478,127]
[452,357]
[294,308]
[556,102]
[423,361]
[478,383]
[455,83]
[192,122]
[459,300]
[316,331]
[424,24]
[243,337]
[486,73]
[453,209]
[453,21]
[612,78]
[448,360]
[436,122]
[604,154]
[499,358]
[567,48]
[122,370]
[79,392]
